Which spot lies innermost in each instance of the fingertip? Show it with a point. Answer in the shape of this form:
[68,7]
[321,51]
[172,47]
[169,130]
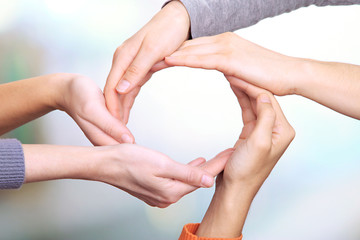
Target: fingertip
[207,181]
[169,59]
[123,86]
[264,98]
[126,138]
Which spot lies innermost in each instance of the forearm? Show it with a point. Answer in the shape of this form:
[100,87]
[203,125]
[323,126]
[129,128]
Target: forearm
[335,85]
[218,16]
[50,162]
[227,212]
[26,100]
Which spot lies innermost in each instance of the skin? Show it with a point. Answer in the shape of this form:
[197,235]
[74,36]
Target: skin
[133,59]
[334,85]
[146,174]
[265,137]
[78,96]
[162,182]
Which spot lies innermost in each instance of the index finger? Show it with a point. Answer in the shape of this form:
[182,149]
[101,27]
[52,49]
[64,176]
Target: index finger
[122,58]
[254,91]
[145,59]
[110,125]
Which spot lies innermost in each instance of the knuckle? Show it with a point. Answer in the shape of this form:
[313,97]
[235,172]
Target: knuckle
[133,70]
[118,51]
[163,166]
[171,199]
[165,199]
[126,50]
[163,205]
[191,176]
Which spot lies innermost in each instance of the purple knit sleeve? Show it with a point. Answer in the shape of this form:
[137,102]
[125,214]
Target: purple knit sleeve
[211,17]
[12,164]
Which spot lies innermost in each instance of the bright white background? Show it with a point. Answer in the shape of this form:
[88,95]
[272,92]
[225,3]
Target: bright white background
[313,192]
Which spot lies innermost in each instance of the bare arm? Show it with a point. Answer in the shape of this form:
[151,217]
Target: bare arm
[335,85]
[79,97]
[144,173]
[26,100]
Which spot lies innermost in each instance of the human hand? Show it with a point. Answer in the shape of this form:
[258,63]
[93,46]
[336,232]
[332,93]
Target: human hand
[133,60]
[82,99]
[152,176]
[264,138]
[235,56]
[146,174]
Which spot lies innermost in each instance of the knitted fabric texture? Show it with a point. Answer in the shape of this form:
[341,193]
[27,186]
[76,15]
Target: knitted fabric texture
[12,165]
[189,230]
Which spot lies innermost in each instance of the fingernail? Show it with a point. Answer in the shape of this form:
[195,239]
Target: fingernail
[123,86]
[265,98]
[126,138]
[207,181]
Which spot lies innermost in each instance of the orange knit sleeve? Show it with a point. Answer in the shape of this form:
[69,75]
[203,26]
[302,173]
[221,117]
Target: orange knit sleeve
[189,230]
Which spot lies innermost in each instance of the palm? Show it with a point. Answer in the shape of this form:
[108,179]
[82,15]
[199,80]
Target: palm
[243,164]
[85,103]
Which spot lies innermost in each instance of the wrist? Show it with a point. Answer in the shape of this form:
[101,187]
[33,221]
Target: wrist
[297,75]
[247,185]
[227,212]
[109,164]
[61,85]
[306,78]
[237,191]
[179,14]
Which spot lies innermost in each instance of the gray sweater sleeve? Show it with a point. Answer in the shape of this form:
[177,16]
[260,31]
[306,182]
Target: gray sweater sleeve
[12,164]
[211,17]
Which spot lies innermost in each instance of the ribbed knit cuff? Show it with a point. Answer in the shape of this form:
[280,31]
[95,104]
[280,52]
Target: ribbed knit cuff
[12,164]
[189,230]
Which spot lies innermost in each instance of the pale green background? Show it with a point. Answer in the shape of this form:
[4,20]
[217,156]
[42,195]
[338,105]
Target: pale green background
[313,193]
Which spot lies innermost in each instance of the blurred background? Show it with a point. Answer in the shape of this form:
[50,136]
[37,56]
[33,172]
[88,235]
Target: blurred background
[313,192]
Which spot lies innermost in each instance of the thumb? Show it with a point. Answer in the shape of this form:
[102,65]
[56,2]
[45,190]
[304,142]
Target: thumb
[137,70]
[197,162]
[111,125]
[217,164]
[266,115]
[188,174]
[202,176]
